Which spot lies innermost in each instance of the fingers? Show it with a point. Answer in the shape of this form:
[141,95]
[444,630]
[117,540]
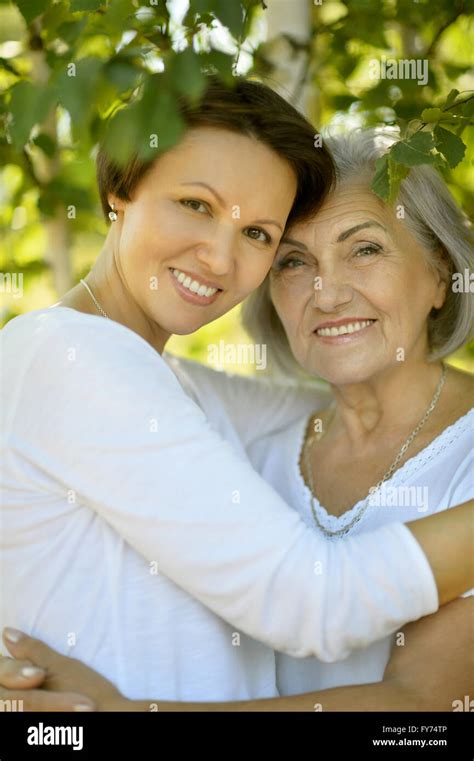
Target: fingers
[20,674]
[43,701]
[24,647]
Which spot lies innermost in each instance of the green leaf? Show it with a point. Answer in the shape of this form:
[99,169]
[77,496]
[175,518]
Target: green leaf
[77,89]
[388,176]
[46,143]
[219,63]
[415,151]
[86,5]
[70,31]
[450,145]
[202,6]
[148,127]
[398,172]
[230,13]
[55,15]
[468,108]
[123,134]
[451,98]
[431,115]
[185,74]
[160,116]
[381,182]
[122,74]
[30,9]
[118,16]
[29,105]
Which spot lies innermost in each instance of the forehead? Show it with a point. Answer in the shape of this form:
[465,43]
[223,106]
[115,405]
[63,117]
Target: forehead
[346,206]
[243,170]
[213,149]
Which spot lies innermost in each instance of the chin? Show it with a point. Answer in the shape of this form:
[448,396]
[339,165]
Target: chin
[183,329]
[341,375]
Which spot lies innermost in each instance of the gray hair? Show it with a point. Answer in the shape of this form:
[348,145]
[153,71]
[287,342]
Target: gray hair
[434,219]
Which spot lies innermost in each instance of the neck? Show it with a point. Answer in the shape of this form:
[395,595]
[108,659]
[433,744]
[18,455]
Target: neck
[109,287]
[378,406]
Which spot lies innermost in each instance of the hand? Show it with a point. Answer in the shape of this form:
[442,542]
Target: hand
[435,666]
[58,683]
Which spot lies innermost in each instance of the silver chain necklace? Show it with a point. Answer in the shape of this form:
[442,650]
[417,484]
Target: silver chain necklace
[385,477]
[104,314]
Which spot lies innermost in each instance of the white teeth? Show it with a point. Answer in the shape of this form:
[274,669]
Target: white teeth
[193,285]
[341,330]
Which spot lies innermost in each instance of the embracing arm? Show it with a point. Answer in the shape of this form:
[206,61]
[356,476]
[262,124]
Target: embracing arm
[135,449]
[433,668]
[257,406]
[447,539]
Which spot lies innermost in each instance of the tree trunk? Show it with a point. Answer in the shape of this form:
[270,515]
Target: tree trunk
[58,254]
[289,54]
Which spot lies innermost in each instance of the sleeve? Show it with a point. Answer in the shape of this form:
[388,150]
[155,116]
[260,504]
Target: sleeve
[256,406]
[114,425]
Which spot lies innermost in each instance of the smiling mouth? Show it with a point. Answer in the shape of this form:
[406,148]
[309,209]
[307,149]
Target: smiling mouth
[192,285]
[341,330]
[192,290]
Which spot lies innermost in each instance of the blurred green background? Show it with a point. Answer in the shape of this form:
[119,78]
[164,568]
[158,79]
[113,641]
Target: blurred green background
[317,54]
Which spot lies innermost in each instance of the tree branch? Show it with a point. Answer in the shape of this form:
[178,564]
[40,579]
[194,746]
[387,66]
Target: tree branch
[459,10]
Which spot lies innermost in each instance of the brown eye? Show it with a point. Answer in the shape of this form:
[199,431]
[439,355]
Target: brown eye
[256,233]
[195,205]
[367,250]
[291,262]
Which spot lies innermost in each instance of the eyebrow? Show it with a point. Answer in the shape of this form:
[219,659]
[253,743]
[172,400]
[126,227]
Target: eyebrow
[222,203]
[208,187]
[293,242]
[356,228]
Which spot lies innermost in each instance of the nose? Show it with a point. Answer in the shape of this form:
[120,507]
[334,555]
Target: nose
[218,252]
[331,292]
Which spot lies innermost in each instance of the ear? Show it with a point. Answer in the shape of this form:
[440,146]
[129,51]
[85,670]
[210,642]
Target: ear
[119,205]
[443,278]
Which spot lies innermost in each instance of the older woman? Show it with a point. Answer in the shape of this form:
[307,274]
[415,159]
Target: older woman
[362,297]
[246,409]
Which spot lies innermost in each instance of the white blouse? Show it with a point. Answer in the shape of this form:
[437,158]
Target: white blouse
[137,539]
[438,477]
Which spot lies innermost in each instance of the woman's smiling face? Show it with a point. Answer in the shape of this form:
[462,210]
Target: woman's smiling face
[352,287]
[202,228]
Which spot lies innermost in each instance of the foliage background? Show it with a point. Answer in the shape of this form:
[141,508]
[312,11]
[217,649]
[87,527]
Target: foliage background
[132,59]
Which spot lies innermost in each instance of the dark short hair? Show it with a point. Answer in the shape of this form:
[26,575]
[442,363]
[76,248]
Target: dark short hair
[249,108]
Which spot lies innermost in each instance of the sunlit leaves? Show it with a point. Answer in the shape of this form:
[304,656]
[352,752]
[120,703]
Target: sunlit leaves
[77,90]
[86,5]
[231,15]
[150,125]
[185,74]
[30,9]
[29,105]
[388,176]
[229,12]
[450,145]
[381,181]
[415,151]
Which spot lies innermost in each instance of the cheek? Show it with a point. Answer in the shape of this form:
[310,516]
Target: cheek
[286,304]
[252,267]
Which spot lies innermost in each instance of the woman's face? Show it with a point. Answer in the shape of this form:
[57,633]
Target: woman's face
[202,228]
[353,289]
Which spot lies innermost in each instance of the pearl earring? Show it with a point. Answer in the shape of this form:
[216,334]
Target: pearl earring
[113,214]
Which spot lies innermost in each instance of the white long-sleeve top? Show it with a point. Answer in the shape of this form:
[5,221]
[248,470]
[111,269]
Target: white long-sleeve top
[136,538]
[438,477]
